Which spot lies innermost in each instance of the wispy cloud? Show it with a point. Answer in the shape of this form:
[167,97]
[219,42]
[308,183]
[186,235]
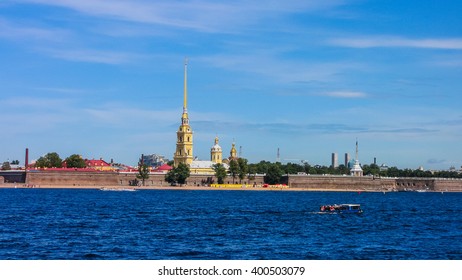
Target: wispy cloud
[345,94]
[118,115]
[302,129]
[200,15]
[61,90]
[397,42]
[433,161]
[26,32]
[60,44]
[269,64]
[96,56]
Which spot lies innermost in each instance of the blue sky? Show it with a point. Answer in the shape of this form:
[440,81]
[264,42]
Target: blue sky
[105,79]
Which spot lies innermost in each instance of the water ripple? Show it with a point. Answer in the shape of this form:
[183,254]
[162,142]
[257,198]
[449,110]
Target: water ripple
[91,225]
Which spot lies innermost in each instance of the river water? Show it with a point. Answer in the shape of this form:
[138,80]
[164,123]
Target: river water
[232,225]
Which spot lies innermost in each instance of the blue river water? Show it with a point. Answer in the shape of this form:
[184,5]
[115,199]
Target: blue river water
[179,224]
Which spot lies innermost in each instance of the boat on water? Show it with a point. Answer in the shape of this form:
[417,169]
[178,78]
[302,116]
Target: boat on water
[118,189]
[341,209]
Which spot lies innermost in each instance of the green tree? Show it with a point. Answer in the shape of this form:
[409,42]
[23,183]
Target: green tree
[293,168]
[320,169]
[372,169]
[243,168]
[75,161]
[143,172]
[261,167]
[178,174]
[233,169]
[6,166]
[342,169]
[49,160]
[220,172]
[274,174]
[393,172]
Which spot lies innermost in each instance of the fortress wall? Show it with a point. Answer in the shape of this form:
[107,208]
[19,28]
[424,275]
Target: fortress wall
[454,185]
[315,182]
[258,179]
[193,180]
[12,176]
[341,183]
[92,178]
[70,178]
[128,179]
[414,184]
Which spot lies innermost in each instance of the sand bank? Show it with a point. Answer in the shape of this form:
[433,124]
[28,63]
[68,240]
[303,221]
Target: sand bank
[179,188]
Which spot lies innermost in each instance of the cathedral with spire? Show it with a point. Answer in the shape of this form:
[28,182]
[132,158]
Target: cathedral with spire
[184,143]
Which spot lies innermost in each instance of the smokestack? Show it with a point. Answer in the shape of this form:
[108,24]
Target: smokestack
[26,162]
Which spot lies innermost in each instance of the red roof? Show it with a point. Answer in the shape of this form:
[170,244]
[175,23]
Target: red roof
[164,167]
[64,169]
[96,162]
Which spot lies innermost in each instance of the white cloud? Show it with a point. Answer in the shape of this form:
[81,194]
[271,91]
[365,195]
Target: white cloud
[205,16]
[345,94]
[96,56]
[23,31]
[398,42]
[269,64]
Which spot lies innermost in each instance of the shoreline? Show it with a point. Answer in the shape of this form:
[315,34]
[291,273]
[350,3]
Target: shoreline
[187,188]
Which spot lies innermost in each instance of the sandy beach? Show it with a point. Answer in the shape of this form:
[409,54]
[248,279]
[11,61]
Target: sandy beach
[179,188]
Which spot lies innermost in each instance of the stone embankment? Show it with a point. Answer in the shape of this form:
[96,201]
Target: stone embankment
[371,183]
[95,179]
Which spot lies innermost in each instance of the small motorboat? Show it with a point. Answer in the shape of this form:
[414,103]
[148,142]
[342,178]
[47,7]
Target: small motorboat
[341,209]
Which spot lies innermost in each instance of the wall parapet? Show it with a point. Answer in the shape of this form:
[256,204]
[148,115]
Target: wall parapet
[313,182]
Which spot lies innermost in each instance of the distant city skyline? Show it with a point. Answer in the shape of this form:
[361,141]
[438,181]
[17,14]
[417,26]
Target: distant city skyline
[104,79]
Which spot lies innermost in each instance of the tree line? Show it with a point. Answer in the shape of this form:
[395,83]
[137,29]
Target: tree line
[240,169]
[51,160]
[274,171]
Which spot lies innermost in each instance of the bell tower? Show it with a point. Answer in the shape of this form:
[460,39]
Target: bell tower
[184,141]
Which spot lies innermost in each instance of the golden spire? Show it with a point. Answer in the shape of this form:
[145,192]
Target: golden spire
[185,100]
[184,116]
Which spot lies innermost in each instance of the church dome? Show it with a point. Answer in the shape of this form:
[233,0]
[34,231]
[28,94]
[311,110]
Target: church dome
[216,147]
[233,152]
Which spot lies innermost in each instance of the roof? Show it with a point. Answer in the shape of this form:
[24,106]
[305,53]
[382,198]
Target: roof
[96,162]
[204,164]
[164,167]
[216,147]
[59,169]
